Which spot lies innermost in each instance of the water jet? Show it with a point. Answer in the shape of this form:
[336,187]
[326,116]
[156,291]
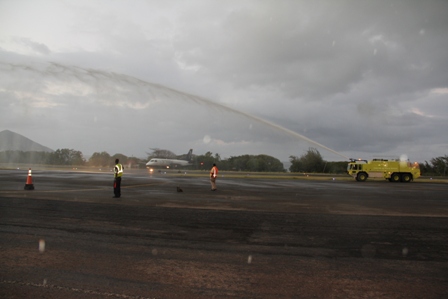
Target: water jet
[43,85]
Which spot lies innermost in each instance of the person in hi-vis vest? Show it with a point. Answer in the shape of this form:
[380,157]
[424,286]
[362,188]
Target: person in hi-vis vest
[213,175]
[118,173]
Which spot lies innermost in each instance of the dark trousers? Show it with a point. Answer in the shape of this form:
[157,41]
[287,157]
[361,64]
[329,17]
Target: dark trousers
[117,187]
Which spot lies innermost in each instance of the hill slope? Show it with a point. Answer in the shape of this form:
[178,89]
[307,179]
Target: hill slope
[10,141]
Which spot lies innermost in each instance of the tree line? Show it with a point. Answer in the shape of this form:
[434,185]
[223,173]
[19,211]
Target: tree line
[62,157]
[312,162]
[309,162]
[256,163]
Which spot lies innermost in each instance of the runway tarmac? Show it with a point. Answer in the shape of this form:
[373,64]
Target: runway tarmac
[253,238]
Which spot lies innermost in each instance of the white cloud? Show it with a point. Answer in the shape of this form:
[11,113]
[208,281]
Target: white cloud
[441,91]
[420,113]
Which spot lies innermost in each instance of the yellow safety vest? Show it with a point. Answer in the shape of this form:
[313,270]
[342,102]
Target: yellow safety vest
[118,170]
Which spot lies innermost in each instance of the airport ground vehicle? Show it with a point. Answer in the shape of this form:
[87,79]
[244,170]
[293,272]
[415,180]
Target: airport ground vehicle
[393,170]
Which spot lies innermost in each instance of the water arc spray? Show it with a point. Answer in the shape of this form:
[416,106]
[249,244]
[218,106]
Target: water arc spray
[87,81]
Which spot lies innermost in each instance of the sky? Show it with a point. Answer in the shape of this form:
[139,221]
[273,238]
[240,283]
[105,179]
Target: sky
[352,79]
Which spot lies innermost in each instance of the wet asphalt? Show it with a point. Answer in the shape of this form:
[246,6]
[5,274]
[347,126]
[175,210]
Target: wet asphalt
[256,237]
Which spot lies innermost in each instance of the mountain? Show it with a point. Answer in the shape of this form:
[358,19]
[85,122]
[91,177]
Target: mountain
[10,141]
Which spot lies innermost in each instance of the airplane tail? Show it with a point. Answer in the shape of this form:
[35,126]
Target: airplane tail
[190,155]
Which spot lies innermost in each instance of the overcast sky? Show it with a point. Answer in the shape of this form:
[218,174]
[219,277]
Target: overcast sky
[363,79]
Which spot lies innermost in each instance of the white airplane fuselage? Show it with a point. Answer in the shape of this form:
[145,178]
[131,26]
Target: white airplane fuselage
[170,163]
[167,162]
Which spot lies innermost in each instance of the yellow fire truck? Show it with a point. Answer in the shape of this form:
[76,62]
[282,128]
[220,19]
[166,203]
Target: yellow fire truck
[393,170]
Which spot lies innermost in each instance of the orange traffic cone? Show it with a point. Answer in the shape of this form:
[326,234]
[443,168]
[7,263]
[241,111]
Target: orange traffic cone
[29,181]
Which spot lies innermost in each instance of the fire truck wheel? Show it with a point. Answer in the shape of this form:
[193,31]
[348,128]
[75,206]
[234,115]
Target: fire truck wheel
[406,177]
[395,177]
[361,177]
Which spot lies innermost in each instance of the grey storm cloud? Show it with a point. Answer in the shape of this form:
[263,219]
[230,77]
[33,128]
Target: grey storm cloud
[363,78]
[320,50]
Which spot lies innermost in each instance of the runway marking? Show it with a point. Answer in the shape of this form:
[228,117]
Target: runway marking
[84,291]
[143,185]
[80,190]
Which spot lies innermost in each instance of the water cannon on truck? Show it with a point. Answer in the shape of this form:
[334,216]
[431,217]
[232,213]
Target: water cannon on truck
[393,170]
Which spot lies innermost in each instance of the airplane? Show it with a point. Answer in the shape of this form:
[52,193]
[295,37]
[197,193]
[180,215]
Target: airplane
[171,163]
